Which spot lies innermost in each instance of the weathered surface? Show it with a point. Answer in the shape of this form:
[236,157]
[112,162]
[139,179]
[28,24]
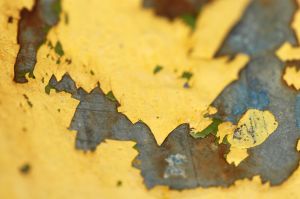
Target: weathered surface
[183,162]
[264,27]
[32,31]
[96,119]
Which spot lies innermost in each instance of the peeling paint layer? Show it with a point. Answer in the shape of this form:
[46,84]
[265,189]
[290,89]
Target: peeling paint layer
[32,31]
[204,164]
[180,162]
[264,27]
[291,74]
[96,119]
[253,129]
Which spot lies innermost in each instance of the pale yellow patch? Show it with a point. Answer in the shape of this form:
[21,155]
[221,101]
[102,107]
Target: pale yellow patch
[211,110]
[224,129]
[236,155]
[292,77]
[288,52]
[261,123]
[253,128]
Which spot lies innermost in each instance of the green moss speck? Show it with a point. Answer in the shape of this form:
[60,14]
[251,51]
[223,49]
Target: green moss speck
[186,75]
[211,129]
[48,89]
[157,69]
[111,96]
[189,20]
[58,49]
[25,168]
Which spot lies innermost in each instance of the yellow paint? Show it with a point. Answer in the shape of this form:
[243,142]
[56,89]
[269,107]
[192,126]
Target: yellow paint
[204,42]
[123,58]
[292,77]
[39,135]
[288,52]
[225,128]
[236,155]
[298,145]
[253,128]
[261,123]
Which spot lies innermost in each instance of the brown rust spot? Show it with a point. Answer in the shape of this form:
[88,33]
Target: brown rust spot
[175,8]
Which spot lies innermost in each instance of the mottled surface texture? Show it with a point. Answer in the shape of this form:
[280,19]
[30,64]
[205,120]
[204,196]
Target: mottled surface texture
[183,162]
[96,119]
[264,27]
[32,31]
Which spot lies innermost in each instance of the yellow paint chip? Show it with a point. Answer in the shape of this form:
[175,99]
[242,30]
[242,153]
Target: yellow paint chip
[236,155]
[224,129]
[298,145]
[254,128]
[292,77]
[288,52]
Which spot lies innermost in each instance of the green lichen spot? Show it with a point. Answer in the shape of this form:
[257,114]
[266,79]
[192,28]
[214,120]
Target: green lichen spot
[187,75]
[25,168]
[157,69]
[189,20]
[58,49]
[211,129]
[111,96]
[48,89]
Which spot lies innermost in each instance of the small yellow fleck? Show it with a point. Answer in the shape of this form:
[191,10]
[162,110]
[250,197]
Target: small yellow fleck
[298,145]
[224,129]
[292,77]
[236,155]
